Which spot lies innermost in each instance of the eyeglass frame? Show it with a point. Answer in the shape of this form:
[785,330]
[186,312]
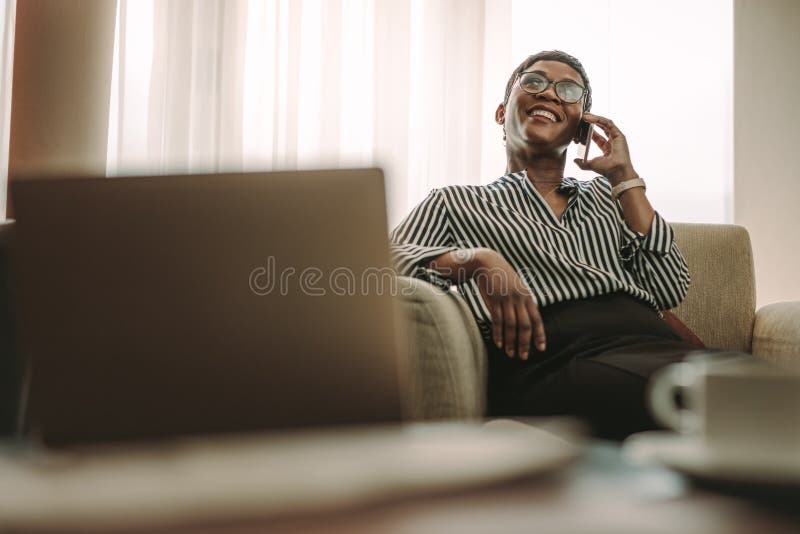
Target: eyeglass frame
[549,83]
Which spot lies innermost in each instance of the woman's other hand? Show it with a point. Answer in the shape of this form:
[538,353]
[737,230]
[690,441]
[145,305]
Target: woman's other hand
[516,321]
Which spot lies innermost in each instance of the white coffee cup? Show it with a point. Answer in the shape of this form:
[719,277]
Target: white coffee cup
[735,403]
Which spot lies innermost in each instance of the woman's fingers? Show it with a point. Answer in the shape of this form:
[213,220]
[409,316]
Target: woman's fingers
[516,323]
[593,164]
[607,125]
[509,327]
[524,330]
[615,161]
[602,142]
[517,326]
[537,326]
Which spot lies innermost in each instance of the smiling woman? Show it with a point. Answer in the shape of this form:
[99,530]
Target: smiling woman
[628,46]
[565,278]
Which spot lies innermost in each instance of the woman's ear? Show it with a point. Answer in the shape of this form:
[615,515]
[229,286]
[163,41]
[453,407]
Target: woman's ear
[500,114]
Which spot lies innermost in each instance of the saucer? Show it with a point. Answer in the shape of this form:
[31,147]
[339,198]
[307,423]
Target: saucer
[692,456]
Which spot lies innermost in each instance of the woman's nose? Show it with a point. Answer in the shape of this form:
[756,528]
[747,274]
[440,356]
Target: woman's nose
[549,94]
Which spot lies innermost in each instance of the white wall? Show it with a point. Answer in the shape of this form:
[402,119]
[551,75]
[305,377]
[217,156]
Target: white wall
[766,142]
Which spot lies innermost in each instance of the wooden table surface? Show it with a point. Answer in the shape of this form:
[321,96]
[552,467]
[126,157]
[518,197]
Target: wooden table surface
[600,492]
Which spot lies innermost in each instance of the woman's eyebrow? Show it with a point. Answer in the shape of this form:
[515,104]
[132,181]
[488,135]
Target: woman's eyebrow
[548,76]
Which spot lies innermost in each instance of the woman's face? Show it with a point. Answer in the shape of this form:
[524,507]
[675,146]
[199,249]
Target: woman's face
[524,128]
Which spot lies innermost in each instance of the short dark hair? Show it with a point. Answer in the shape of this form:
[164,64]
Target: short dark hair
[553,55]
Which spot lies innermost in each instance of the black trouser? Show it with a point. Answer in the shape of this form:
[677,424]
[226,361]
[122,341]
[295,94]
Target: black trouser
[600,355]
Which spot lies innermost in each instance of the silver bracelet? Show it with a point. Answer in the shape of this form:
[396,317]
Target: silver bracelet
[621,187]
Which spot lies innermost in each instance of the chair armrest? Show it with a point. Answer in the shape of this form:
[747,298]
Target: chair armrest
[446,356]
[776,335]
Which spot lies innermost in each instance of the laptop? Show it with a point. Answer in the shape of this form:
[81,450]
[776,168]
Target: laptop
[150,307]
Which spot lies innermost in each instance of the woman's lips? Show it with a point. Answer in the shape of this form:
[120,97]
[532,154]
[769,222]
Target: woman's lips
[541,119]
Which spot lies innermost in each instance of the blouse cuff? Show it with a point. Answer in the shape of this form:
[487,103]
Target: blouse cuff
[412,260]
[658,240]
[432,277]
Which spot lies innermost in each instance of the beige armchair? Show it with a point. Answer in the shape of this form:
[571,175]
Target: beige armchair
[447,359]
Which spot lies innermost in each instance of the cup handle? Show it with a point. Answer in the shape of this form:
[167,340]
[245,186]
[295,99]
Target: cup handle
[661,397]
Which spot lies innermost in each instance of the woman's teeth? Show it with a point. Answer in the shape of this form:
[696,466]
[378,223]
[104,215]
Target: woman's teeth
[544,113]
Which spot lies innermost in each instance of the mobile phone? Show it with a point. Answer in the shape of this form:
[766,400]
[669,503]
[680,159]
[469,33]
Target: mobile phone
[584,139]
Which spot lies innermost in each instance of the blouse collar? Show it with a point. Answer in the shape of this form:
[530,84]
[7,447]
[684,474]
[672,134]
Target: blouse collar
[568,183]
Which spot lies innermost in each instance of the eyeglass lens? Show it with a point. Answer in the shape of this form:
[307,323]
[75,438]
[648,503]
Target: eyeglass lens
[569,92]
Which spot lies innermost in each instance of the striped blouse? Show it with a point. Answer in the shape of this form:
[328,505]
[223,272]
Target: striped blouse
[590,252]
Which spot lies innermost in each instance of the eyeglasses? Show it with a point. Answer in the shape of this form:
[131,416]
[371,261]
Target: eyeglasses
[534,83]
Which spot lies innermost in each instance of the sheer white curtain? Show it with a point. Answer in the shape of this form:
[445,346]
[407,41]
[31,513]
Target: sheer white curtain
[411,86]
[177,86]
[7,11]
[285,84]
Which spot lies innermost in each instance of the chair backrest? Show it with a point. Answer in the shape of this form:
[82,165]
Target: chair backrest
[720,304]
